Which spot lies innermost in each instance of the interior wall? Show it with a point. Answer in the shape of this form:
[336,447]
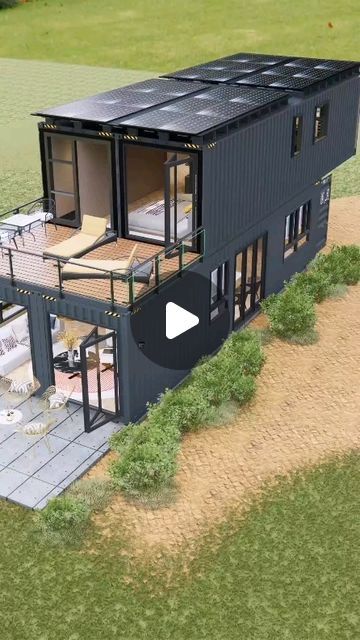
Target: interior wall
[94,178]
[144,171]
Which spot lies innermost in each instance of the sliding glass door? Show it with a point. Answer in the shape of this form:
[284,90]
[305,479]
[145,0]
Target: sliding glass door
[62,178]
[180,197]
[99,378]
[249,280]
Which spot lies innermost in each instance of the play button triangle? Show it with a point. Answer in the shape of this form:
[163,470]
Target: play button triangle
[178,320]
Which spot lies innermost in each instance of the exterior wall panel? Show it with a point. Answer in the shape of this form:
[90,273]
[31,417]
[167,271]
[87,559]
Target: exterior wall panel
[249,174]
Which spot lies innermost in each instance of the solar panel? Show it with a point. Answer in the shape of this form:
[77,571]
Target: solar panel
[110,105]
[297,74]
[226,69]
[209,109]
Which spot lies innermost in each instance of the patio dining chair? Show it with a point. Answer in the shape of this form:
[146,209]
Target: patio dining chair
[6,236]
[37,429]
[55,400]
[43,210]
[15,392]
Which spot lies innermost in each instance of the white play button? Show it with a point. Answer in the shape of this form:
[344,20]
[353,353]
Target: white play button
[178,320]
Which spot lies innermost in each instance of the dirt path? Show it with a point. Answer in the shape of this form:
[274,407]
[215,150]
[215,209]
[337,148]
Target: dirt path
[307,408]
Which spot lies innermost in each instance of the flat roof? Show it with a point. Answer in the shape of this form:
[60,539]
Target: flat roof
[206,110]
[110,105]
[204,97]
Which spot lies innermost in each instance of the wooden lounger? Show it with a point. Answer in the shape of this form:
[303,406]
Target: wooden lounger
[93,230]
[84,268]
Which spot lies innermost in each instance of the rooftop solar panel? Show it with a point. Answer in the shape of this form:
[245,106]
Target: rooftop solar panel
[209,109]
[297,74]
[110,105]
[226,69]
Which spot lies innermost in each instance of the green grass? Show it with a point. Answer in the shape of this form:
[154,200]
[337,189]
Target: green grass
[288,571]
[139,34]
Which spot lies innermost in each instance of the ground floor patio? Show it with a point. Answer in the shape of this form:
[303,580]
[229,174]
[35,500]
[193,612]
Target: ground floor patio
[34,469]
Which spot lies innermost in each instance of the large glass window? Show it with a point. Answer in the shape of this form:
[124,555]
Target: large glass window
[218,290]
[15,346]
[297,229]
[160,193]
[79,177]
[249,279]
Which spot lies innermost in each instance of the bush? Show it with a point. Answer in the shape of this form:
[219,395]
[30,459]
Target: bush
[8,4]
[245,349]
[63,514]
[94,493]
[291,314]
[315,282]
[243,389]
[342,264]
[149,462]
[187,407]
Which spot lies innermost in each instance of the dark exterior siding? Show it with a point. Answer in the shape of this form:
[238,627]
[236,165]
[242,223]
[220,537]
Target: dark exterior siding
[249,174]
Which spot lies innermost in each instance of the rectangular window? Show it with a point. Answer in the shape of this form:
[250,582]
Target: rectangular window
[297,229]
[218,290]
[321,122]
[296,135]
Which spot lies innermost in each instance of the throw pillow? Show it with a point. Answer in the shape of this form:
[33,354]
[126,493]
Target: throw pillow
[20,387]
[57,399]
[9,342]
[2,352]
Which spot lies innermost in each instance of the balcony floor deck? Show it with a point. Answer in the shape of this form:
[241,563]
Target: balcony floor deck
[33,269]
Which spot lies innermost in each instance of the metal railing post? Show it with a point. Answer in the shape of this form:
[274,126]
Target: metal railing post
[157,270]
[181,255]
[60,278]
[131,288]
[11,266]
[112,292]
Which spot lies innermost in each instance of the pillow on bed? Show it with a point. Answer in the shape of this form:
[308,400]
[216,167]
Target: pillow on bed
[9,342]
[2,352]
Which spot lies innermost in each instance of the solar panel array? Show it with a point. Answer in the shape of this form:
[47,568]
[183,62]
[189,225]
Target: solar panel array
[200,98]
[228,68]
[110,105]
[206,110]
[297,74]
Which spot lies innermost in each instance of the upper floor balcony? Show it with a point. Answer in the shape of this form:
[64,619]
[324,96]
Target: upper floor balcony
[112,270]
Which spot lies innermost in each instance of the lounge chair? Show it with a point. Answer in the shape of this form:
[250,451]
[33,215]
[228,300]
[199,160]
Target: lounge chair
[93,230]
[88,269]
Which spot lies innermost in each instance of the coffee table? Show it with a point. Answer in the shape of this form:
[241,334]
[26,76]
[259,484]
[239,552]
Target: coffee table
[61,363]
[10,416]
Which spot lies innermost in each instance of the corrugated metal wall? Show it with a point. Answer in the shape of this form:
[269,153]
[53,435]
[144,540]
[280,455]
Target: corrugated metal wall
[251,173]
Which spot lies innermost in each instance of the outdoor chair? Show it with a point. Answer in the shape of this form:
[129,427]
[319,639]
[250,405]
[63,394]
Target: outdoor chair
[93,230]
[43,211]
[37,429]
[15,392]
[54,401]
[97,269]
[6,236]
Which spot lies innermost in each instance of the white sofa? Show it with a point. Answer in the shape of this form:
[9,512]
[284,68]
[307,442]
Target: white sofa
[19,329]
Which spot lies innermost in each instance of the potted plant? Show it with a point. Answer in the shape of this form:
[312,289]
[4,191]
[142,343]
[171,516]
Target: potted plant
[70,340]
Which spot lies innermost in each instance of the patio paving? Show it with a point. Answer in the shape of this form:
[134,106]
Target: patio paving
[32,471]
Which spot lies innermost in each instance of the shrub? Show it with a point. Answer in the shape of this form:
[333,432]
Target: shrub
[8,4]
[187,407]
[149,462]
[244,348]
[211,380]
[291,314]
[315,282]
[94,493]
[342,264]
[63,514]
[243,389]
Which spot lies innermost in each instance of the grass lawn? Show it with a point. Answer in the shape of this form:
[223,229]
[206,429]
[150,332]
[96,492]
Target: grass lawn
[289,571]
[139,34]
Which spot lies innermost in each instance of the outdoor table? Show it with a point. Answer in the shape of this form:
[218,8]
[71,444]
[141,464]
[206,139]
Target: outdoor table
[10,416]
[21,222]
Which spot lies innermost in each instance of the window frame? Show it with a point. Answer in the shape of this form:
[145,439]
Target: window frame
[296,137]
[219,304]
[318,119]
[298,235]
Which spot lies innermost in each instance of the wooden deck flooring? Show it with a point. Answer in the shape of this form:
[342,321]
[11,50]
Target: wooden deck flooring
[33,269]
